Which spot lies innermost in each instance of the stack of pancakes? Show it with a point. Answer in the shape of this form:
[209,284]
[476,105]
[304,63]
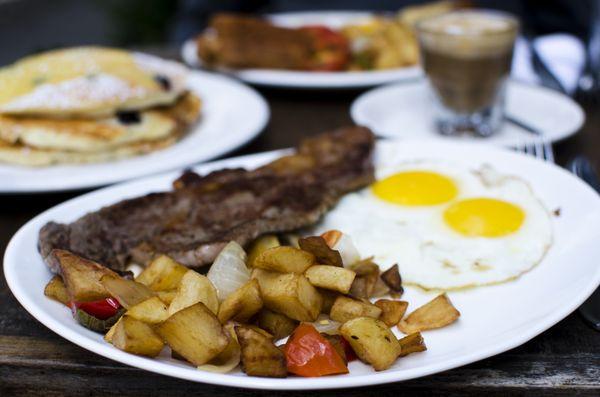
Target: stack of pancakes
[91,104]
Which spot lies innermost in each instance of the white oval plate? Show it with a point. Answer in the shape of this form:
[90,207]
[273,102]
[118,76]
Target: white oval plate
[215,134]
[311,80]
[494,319]
[405,111]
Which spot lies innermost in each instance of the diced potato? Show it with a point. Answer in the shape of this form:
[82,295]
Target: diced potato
[317,246]
[56,290]
[372,340]
[167,296]
[380,289]
[137,337]
[276,324]
[81,276]
[150,311]
[194,288]
[437,313]
[391,277]
[260,357]
[229,358]
[129,293]
[391,311]
[109,334]
[345,309]
[412,343]
[260,245]
[285,260]
[162,274]
[195,333]
[367,275]
[242,304]
[289,294]
[329,298]
[330,277]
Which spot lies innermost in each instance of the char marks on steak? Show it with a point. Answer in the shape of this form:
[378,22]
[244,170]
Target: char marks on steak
[193,222]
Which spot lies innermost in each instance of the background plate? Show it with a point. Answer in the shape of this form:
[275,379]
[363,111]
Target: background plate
[405,111]
[215,134]
[311,80]
[494,319]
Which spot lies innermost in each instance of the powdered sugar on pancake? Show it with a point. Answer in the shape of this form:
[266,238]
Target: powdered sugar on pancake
[91,90]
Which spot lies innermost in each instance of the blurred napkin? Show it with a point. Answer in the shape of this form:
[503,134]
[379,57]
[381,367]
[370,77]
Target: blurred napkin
[563,54]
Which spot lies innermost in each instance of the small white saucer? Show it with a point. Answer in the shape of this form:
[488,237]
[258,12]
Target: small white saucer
[405,111]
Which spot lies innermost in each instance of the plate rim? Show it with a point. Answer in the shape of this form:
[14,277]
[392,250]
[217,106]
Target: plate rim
[261,121]
[357,117]
[11,261]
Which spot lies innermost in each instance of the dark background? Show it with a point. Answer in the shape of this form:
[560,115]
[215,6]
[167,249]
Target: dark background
[28,26]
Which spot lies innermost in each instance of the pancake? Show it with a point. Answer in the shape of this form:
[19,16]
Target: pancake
[31,157]
[88,81]
[95,135]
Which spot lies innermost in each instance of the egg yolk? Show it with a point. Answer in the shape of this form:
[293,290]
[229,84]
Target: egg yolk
[416,188]
[484,217]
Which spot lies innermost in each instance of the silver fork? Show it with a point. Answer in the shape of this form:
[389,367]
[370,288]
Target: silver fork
[538,148]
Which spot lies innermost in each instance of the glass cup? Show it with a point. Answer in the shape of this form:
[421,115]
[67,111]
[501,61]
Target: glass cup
[466,56]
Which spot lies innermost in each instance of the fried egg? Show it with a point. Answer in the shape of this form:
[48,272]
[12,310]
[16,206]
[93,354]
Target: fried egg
[447,227]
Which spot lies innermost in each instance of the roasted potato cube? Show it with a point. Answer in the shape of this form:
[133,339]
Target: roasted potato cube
[367,275]
[391,277]
[437,313]
[195,288]
[56,290]
[412,343]
[276,324]
[167,296]
[229,358]
[329,298]
[372,340]
[81,276]
[109,334]
[289,294]
[330,277]
[129,293]
[162,274]
[345,309]
[391,311]
[150,311]
[285,260]
[242,304]
[260,245]
[317,246]
[137,337]
[195,333]
[260,357]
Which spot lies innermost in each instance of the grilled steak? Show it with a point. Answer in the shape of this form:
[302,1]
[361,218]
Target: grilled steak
[193,222]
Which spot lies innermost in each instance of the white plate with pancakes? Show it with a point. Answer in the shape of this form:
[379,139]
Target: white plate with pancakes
[87,117]
[406,111]
[310,79]
[494,318]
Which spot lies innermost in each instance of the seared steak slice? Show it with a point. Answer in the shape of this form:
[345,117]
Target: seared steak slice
[195,220]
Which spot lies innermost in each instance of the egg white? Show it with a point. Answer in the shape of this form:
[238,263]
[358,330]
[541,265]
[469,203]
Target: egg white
[430,253]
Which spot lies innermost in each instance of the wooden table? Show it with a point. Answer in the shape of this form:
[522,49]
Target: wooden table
[565,360]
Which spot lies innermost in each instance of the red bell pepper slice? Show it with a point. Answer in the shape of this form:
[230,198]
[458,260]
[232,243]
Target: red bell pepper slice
[309,354]
[101,309]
